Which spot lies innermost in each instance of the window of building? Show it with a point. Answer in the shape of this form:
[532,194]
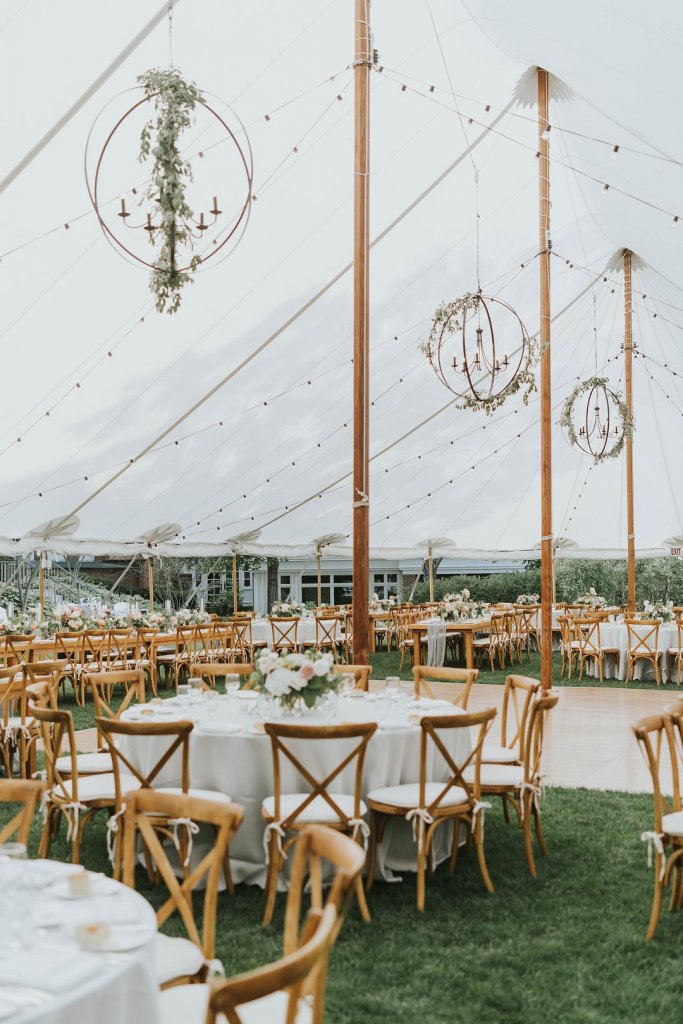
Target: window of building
[285,585]
[246,578]
[385,584]
[309,588]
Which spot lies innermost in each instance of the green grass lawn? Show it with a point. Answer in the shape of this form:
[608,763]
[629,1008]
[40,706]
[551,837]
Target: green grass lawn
[568,946]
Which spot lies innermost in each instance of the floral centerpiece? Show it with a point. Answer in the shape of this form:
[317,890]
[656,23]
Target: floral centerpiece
[26,622]
[661,610]
[527,599]
[70,617]
[459,607]
[591,599]
[289,678]
[382,604]
[288,609]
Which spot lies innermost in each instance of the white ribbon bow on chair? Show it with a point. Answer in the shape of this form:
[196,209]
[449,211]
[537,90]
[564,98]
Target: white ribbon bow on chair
[360,826]
[420,818]
[192,830]
[480,806]
[274,826]
[112,829]
[655,840]
[537,791]
[71,812]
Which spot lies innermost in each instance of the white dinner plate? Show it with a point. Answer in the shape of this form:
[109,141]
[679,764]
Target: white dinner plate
[98,887]
[121,940]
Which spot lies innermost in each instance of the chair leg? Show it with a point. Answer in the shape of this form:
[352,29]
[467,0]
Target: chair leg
[362,902]
[376,833]
[656,901]
[421,872]
[675,886]
[46,837]
[479,843]
[528,838]
[506,810]
[271,881]
[543,846]
[453,860]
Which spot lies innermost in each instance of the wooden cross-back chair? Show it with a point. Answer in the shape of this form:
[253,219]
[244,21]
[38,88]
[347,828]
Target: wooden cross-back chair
[69,654]
[676,652]
[18,648]
[569,643]
[145,655]
[521,785]
[327,634]
[69,796]
[38,675]
[518,693]
[288,990]
[286,814]
[120,650]
[28,792]
[361,674]
[496,645]
[590,645]
[95,657]
[180,960]
[445,677]
[101,685]
[455,798]
[658,737]
[284,633]
[178,660]
[18,729]
[210,673]
[643,645]
[203,642]
[240,644]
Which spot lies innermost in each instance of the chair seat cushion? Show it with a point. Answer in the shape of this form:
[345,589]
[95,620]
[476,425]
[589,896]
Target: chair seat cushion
[672,824]
[408,795]
[318,810]
[87,764]
[98,787]
[510,775]
[198,794]
[187,1004]
[498,755]
[176,958]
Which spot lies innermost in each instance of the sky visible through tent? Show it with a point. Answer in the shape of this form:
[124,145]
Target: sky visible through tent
[80,337]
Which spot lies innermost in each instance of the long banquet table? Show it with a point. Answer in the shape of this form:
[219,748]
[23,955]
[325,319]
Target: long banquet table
[229,752]
[465,628]
[46,976]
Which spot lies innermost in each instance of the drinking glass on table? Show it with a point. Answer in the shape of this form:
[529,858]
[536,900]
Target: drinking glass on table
[184,693]
[196,688]
[232,683]
[392,685]
[348,684]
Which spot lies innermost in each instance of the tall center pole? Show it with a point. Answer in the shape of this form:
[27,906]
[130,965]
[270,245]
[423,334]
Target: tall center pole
[628,380]
[235,595]
[150,581]
[431,576]
[546,383]
[320,582]
[361,369]
[41,584]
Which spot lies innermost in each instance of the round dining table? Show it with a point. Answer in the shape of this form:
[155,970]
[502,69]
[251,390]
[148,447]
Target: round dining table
[47,976]
[615,635]
[231,753]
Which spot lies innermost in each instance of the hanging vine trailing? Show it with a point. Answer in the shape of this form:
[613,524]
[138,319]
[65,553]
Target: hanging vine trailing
[174,102]
[623,431]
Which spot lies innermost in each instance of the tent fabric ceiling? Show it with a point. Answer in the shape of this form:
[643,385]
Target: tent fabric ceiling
[81,343]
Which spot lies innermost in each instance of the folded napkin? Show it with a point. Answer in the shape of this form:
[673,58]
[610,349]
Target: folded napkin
[47,969]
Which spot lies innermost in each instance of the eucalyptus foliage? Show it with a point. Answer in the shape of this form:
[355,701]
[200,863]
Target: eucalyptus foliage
[625,417]
[174,101]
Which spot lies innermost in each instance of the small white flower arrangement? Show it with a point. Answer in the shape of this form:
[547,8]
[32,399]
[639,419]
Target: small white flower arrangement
[459,607]
[661,610]
[382,604]
[527,599]
[289,678]
[591,599]
[288,609]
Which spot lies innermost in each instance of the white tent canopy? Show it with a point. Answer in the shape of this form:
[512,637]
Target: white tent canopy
[271,450]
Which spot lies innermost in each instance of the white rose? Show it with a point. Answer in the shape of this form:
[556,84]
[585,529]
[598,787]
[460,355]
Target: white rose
[465,594]
[297,660]
[592,591]
[322,666]
[279,682]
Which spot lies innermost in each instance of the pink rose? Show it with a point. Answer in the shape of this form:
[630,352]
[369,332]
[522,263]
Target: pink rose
[307,672]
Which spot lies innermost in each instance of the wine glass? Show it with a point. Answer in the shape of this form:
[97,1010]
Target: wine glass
[232,683]
[392,685]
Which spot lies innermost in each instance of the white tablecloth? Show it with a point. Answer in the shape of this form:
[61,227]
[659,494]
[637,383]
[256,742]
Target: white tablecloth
[80,987]
[615,634]
[240,765]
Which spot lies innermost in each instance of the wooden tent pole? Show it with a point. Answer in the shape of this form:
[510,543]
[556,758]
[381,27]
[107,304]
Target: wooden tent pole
[431,577]
[546,415]
[361,374]
[235,600]
[628,380]
[320,585]
[150,581]
[41,585]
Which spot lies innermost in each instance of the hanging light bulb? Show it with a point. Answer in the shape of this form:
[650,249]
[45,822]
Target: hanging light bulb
[615,152]
[545,135]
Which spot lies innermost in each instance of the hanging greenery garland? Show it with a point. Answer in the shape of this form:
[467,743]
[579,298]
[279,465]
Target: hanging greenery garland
[485,377]
[595,437]
[174,102]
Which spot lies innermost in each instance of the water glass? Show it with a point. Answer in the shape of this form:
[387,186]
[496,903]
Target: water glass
[392,685]
[232,683]
[184,693]
[348,684]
